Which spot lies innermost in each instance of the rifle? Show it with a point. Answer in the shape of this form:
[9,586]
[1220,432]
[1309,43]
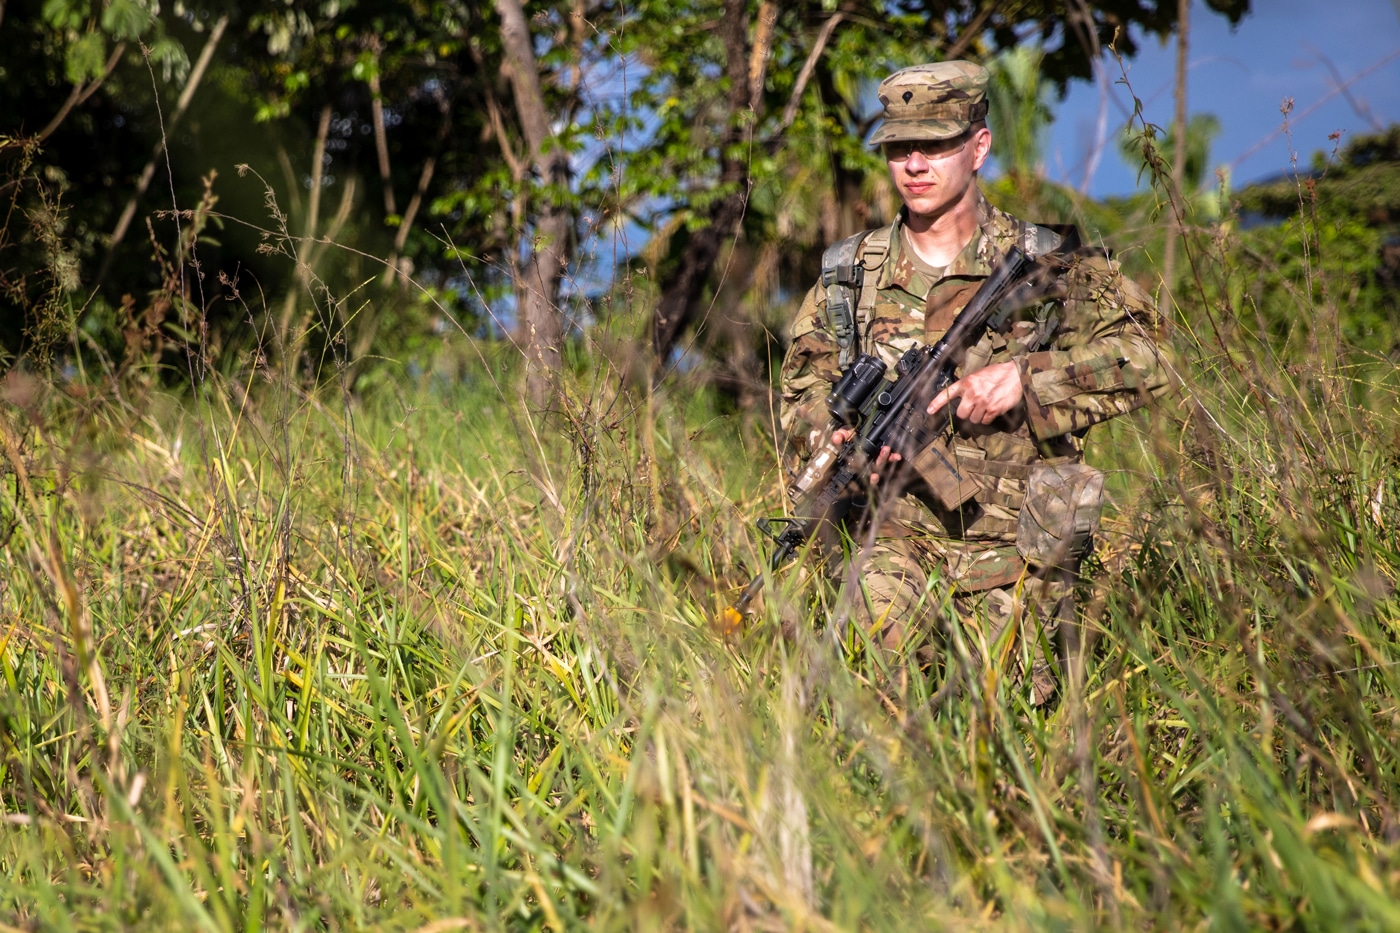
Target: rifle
[896,416]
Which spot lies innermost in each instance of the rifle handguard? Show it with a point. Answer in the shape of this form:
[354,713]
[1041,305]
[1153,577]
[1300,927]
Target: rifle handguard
[814,475]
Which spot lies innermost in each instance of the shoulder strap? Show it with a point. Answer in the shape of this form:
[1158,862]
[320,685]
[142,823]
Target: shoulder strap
[848,301]
[872,256]
[843,275]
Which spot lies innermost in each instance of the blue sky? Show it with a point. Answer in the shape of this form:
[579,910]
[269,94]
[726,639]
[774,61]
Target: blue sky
[1282,49]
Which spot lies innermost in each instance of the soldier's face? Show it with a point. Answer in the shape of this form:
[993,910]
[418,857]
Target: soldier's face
[934,177]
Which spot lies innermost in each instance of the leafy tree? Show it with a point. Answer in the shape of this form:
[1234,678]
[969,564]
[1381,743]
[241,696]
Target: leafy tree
[732,130]
[1018,113]
[66,64]
[394,93]
[506,213]
[1315,263]
[324,101]
[739,88]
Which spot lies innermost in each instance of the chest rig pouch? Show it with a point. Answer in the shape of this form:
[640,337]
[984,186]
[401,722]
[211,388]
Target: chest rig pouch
[846,263]
[1062,504]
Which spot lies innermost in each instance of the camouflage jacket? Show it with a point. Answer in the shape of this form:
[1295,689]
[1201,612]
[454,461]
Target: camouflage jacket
[1083,359]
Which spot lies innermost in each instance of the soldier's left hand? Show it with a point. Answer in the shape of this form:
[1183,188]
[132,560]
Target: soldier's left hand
[886,457]
[984,395]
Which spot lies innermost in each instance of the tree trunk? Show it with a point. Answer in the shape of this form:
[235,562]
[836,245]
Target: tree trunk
[682,287]
[1176,221]
[537,283]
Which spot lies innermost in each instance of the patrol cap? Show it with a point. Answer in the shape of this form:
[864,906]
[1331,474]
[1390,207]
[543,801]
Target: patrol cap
[934,101]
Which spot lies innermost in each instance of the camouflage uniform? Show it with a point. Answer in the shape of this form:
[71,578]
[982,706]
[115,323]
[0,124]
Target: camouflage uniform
[1084,358]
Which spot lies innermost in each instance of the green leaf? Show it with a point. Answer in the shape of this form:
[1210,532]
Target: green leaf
[63,14]
[365,67]
[272,110]
[125,19]
[85,58]
[170,55]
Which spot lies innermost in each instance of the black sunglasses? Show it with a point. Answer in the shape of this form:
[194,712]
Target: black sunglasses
[928,148]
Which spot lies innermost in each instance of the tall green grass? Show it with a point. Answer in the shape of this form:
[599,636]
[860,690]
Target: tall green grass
[426,661]
[275,656]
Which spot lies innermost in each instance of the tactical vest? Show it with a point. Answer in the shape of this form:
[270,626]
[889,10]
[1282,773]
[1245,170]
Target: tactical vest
[1059,504]
[846,263]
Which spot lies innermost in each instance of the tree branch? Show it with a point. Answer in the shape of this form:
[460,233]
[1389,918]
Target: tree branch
[425,178]
[808,66]
[525,82]
[682,287]
[144,181]
[762,48]
[577,21]
[498,129]
[81,92]
[734,34]
[303,258]
[1358,107]
[381,140]
[493,114]
[1175,225]
[1082,21]
[970,32]
[318,171]
[537,284]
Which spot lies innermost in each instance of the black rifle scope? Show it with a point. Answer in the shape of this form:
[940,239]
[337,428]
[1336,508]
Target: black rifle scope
[854,389]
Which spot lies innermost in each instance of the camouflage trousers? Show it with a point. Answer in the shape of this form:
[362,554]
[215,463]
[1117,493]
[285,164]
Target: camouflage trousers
[895,591]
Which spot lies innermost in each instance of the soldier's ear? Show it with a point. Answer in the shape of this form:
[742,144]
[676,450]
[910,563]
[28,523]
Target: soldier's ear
[981,146]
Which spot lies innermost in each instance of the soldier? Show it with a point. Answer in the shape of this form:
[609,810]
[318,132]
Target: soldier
[1025,396]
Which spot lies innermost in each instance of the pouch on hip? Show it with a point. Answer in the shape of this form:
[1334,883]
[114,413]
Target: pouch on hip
[1064,502]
